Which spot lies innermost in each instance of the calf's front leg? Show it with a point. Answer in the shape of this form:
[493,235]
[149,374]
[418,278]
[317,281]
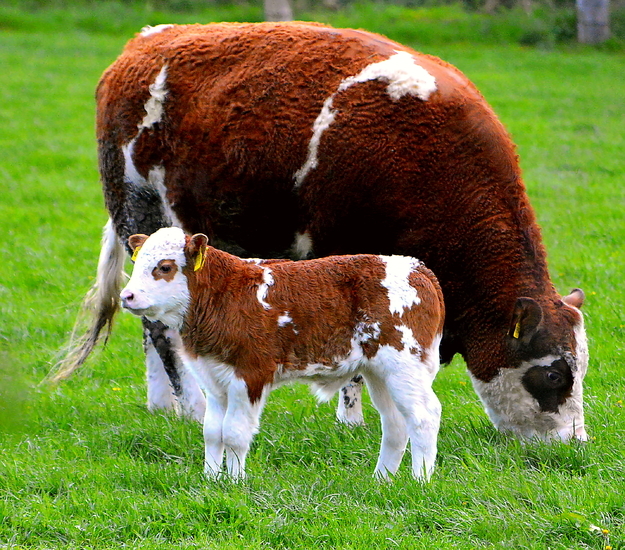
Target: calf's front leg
[240,425]
[213,436]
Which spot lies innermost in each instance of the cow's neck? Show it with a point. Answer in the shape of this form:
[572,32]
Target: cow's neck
[481,289]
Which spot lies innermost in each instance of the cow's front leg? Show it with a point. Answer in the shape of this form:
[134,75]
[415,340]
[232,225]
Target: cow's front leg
[239,427]
[349,409]
[165,368]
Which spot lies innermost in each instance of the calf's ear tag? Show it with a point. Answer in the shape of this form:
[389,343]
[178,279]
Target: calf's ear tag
[517,330]
[199,259]
[135,253]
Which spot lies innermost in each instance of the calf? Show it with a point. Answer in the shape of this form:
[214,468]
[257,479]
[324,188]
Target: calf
[246,328]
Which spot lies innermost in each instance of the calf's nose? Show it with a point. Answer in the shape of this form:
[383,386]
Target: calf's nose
[127,297]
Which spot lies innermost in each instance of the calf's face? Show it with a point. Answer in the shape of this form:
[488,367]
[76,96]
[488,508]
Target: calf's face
[158,288]
[542,396]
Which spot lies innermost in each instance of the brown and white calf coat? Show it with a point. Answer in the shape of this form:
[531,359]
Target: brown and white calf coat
[246,328]
[298,140]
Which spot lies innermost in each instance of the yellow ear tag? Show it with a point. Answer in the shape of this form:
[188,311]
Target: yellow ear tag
[134,254]
[517,330]
[199,259]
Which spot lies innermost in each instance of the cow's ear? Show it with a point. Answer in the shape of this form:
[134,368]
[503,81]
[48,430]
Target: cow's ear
[196,250]
[135,242]
[575,298]
[526,319]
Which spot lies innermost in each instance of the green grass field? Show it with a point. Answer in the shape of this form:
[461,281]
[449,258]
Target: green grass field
[84,465]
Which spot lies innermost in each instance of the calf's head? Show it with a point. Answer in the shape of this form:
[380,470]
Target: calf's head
[541,395]
[158,288]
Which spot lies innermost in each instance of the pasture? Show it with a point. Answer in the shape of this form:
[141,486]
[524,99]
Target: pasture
[84,465]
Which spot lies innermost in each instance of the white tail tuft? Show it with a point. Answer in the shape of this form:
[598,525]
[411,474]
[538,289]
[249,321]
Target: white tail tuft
[98,308]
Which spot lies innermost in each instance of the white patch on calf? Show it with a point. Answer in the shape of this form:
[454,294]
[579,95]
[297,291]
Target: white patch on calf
[365,331]
[401,293]
[404,77]
[149,30]
[284,319]
[263,288]
[154,106]
[409,341]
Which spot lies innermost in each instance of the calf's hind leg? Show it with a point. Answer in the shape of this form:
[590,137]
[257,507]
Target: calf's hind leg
[394,432]
[421,409]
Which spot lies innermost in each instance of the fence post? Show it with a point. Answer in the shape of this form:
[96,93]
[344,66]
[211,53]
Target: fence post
[593,21]
[278,10]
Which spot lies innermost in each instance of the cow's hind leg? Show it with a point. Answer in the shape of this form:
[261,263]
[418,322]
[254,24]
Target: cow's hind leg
[189,400]
[349,408]
[394,432]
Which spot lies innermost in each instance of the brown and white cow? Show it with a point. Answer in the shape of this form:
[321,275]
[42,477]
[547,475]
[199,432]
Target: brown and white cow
[245,328]
[299,140]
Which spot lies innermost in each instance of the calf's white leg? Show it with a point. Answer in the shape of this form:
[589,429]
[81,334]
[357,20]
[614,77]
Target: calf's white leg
[240,424]
[213,437]
[394,433]
[419,405]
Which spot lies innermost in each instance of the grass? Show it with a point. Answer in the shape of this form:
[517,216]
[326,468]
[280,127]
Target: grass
[84,465]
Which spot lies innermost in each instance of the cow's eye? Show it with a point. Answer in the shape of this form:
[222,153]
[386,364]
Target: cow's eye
[554,376]
[165,268]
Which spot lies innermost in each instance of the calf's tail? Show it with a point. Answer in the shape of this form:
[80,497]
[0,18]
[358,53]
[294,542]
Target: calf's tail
[98,308]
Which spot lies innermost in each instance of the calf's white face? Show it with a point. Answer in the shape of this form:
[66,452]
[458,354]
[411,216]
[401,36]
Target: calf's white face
[158,288]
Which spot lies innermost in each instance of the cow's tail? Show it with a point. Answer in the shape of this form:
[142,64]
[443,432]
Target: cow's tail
[98,309]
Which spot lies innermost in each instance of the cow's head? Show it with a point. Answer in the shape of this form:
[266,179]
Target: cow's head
[541,396]
[158,288]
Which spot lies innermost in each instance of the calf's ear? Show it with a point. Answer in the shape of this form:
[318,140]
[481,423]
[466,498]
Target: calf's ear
[575,298]
[526,319]
[196,250]
[135,242]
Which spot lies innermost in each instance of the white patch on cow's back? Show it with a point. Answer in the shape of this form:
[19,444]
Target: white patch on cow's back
[321,124]
[404,77]
[401,293]
[302,246]
[154,106]
[263,288]
[148,30]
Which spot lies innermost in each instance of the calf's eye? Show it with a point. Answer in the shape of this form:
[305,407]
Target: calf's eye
[165,268]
